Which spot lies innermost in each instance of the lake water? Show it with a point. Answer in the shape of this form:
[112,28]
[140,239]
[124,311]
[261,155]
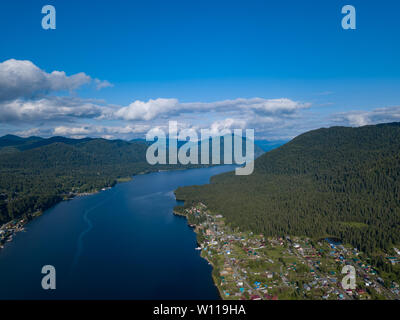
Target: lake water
[123,243]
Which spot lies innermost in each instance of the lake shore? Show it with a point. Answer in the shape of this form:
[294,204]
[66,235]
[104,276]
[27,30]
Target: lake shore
[132,220]
[199,245]
[71,195]
[9,229]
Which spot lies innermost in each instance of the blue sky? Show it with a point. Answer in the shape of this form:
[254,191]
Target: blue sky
[280,67]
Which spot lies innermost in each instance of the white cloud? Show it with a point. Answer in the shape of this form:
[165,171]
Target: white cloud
[227,124]
[49,108]
[141,110]
[362,118]
[101,84]
[29,132]
[263,115]
[27,97]
[23,79]
[89,130]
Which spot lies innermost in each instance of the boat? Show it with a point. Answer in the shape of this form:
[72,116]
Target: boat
[198,248]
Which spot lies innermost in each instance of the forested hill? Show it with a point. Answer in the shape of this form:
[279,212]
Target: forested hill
[341,182]
[37,173]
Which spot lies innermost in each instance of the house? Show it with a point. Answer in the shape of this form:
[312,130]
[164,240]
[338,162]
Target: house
[360,291]
[393,260]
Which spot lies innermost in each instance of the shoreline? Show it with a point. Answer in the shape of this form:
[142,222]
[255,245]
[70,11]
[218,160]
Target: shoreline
[8,229]
[194,228]
[248,266]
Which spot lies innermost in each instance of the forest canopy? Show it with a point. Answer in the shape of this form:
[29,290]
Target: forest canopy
[340,182]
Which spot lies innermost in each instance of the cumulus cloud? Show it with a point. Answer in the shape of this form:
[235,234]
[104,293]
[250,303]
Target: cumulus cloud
[83,130]
[31,132]
[227,113]
[28,98]
[50,108]
[361,118]
[23,79]
[227,124]
[101,84]
[142,110]
[86,130]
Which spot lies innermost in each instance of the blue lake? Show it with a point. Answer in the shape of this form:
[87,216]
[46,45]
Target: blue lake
[123,243]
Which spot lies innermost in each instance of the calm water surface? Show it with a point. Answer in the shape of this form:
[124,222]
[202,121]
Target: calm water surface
[123,243]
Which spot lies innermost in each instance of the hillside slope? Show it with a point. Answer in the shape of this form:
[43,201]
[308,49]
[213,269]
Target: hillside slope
[40,172]
[342,182]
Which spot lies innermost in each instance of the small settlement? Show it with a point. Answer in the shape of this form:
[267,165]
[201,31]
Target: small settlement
[250,266]
[8,230]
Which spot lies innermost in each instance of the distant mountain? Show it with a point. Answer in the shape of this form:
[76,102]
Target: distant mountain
[341,182]
[22,144]
[139,140]
[266,145]
[258,151]
[15,141]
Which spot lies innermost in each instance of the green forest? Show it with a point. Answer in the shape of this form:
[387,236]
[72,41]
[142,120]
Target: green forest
[37,173]
[340,182]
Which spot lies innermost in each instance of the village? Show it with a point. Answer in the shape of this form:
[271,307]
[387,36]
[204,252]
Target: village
[8,230]
[248,266]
